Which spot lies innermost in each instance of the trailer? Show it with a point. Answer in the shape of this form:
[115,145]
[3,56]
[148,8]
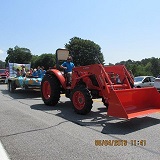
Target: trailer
[24,82]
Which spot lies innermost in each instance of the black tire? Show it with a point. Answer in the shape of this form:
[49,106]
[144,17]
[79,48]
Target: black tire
[81,100]
[106,104]
[11,86]
[53,83]
[8,86]
[26,87]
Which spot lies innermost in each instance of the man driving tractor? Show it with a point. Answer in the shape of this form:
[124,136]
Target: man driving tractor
[68,66]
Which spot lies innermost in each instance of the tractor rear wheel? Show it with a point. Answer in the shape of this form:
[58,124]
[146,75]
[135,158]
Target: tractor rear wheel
[50,90]
[81,100]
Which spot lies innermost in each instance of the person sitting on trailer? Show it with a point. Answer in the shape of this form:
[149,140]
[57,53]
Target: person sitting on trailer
[43,72]
[35,73]
[23,72]
[18,74]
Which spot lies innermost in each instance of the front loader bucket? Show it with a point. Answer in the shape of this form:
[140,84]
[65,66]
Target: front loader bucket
[131,103]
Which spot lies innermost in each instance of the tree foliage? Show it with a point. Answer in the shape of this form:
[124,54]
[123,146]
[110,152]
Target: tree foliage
[47,60]
[84,52]
[33,61]
[18,55]
[147,66]
[2,64]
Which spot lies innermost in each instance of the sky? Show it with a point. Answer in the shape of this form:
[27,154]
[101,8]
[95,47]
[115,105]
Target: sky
[124,29]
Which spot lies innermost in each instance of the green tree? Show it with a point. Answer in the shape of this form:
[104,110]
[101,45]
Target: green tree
[84,52]
[147,66]
[155,68]
[2,64]
[47,60]
[33,60]
[140,71]
[147,69]
[18,55]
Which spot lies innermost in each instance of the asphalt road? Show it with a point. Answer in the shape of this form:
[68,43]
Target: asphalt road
[30,130]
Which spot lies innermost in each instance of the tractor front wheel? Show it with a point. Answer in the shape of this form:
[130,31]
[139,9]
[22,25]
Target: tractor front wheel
[50,90]
[81,100]
[106,104]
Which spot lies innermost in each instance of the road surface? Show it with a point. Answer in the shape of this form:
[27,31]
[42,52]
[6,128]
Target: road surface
[30,130]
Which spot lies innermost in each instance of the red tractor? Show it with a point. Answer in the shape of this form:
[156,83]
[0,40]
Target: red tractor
[113,84]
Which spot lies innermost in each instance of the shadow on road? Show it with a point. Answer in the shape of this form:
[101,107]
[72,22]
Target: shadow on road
[22,94]
[98,118]
[125,127]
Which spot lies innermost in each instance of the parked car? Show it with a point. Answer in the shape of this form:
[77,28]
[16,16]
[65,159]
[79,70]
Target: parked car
[3,75]
[144,81]
[157,83]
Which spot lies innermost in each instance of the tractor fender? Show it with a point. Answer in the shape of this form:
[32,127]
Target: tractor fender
[59,76]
